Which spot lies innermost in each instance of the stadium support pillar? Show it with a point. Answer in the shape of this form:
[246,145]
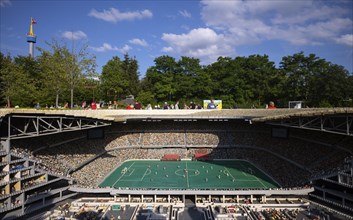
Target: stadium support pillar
[155,198]
[224,199]
[238,199]
[142,198]
[209,198]
[183,198]
[339,178]
[251,198]
[168,198]
[23,208]
[7,141]
[5,145]
[129,198]
[264,199]
[114,198]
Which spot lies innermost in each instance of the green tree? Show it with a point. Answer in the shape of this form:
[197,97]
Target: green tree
[57,66]
[113,81]
[226,83]
[245,81]
[64,70]
[299,71]
[7,77]
[82,65]
[18,81]
[160,78]
[330,87]
[146,97]
[130,73]
[314,80]
[89,91]
[261,78]
[32,76]
[348,99]
[191,81]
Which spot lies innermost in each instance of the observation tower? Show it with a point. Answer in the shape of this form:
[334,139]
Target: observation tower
[31,38]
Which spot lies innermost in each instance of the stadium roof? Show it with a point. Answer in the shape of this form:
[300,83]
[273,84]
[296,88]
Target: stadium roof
[256,115]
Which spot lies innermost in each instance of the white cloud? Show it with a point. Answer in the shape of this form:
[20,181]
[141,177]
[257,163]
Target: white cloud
[74,35]
[114,15]
[298,22]
[106,47]
[185,14]
[167,49]
[202,43]
[346,39]
[125,48]
[3,3]
[140,42]
[307,13]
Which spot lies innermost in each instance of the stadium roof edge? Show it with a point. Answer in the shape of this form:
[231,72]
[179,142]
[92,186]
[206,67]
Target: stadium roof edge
[256,115]
[310,112]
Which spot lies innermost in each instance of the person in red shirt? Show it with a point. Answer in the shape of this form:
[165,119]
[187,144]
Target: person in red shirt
[271,105]
[94,105]
[137,106]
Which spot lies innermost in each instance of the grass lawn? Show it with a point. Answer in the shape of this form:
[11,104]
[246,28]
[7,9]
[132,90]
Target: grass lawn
[186,174]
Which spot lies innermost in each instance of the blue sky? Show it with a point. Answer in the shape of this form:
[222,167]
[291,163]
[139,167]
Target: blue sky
[201,29]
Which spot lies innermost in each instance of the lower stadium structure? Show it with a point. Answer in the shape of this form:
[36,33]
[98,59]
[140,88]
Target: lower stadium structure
[169,164]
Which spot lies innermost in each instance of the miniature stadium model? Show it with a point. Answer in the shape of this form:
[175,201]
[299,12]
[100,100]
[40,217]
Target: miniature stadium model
[221,164]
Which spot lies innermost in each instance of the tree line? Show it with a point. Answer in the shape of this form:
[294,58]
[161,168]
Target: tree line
[60,75]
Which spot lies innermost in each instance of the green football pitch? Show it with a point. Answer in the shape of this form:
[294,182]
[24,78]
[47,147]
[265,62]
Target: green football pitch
[186,174]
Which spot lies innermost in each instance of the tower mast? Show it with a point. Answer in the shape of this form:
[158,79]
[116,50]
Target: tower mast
[31,38]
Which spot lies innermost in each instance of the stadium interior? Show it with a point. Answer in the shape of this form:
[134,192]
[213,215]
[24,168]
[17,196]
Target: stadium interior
[50,174]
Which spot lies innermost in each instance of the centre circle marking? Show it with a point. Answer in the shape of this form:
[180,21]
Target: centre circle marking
[190,172]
